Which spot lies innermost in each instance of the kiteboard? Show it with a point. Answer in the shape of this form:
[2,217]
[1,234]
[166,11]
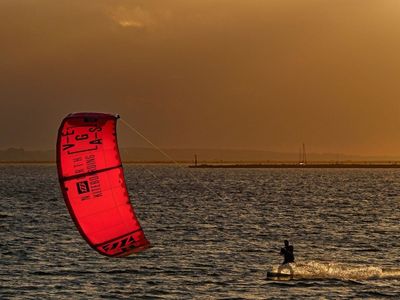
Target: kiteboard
[93,184]
[271,274]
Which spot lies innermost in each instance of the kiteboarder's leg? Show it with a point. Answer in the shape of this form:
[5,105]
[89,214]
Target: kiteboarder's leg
[284,266]
[280,268]
[291,270]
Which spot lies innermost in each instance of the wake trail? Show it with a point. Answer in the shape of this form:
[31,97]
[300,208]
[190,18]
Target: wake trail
[332,270]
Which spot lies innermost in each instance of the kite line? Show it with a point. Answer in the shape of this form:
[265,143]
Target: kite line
[171,159]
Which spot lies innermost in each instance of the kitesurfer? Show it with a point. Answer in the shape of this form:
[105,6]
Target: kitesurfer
[287,253]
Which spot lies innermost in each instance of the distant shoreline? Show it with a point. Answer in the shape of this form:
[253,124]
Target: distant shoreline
[44,162]
[364,165]
[249,165]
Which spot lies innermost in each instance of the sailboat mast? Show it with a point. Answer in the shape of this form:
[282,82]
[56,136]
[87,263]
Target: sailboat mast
[300,156]
[304,154]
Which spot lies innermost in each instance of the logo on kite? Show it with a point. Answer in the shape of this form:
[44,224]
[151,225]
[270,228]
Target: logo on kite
[89,163]
[83,187]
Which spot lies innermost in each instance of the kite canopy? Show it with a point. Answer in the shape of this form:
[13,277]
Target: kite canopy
[93,184]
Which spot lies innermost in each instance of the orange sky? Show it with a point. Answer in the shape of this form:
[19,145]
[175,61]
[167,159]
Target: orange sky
[254,74]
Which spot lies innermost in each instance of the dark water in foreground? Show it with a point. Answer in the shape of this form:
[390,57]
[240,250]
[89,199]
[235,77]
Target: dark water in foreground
[344,225]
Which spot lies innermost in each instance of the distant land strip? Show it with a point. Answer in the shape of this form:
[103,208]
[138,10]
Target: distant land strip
[10,162]
[204,156]
[364,165]
[243,164]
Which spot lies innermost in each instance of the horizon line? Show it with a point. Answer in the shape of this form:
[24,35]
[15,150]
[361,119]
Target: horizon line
[365,156]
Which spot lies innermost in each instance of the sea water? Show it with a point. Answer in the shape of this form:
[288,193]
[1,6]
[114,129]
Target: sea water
[215,234]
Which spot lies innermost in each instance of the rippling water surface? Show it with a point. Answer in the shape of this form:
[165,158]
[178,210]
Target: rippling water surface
[209,245]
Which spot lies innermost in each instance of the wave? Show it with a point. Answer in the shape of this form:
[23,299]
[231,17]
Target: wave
[331,270]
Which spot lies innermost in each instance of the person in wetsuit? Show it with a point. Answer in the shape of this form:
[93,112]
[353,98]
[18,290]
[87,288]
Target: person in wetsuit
[287,252]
